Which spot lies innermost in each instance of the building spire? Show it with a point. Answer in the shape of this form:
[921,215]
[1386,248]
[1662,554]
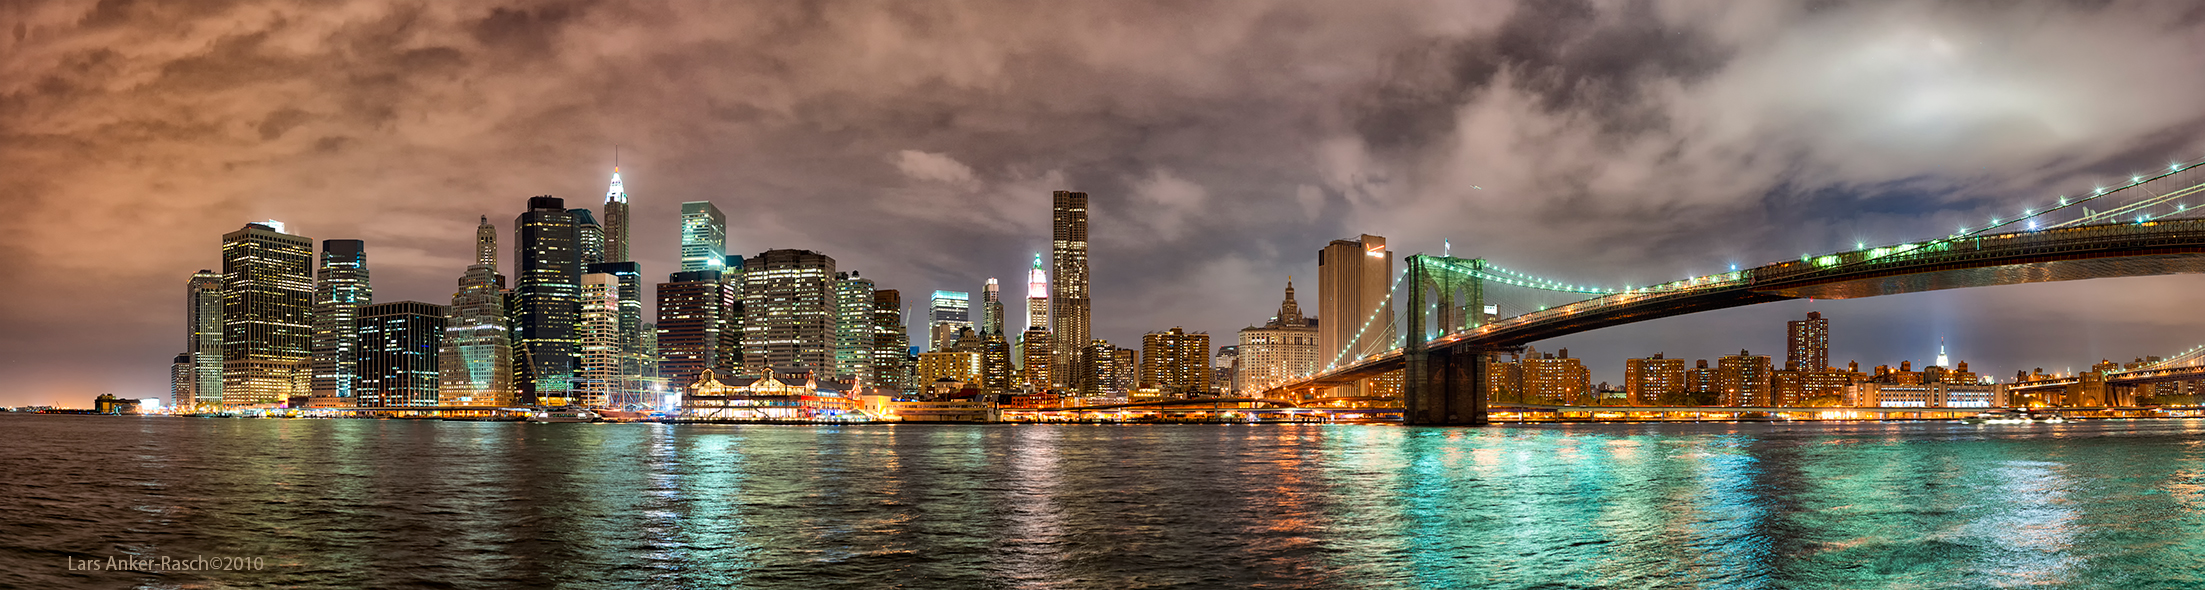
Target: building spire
[486,243]
[1290,313]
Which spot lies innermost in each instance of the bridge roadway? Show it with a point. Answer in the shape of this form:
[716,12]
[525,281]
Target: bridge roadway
[2129,377]
[2071,253]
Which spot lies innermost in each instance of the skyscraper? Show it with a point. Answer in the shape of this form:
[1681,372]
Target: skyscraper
[203,339]
[599,384]
[854,317]
[589,237]
[616,221]
[891,343]
[1034,348]
[789,313]
[1037,296]
[486,246]
[991,307]
[1353,278]
[703,236]
[1807,343]
[635,364]
[267,310]
[692,314]
[398,360]
[180,382]
[1282,349]
[546,298]
[1068,264]
[475,360]
[951,311]
[996,369]
[341,288]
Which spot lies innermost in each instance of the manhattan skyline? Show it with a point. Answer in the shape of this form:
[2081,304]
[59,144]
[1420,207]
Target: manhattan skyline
[923,148]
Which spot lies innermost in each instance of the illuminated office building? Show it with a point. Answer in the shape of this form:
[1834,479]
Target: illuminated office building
[546,301]
[398,361]
[475,359]
[789,313]
[950,312]
[891,343]
[599,383]
[1034,351]
[589,237]
[854,317]
[203,340]
[692,326]
[341,288]
[1353,280]
[1068,296]
[703,236]
[267,310]
[636,367]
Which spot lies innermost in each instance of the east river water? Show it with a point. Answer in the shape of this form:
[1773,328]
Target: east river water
[399,503]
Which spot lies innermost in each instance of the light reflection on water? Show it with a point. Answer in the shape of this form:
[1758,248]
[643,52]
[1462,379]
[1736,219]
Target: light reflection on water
[367,503]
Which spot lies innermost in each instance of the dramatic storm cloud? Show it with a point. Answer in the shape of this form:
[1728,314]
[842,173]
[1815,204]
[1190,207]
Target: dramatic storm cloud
[1222,144]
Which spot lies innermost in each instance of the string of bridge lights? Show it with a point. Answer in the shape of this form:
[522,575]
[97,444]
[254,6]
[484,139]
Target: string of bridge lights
[1381,309]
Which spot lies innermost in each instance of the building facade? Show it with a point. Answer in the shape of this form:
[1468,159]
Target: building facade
[703,237]
[1283,349]
[891,343]
[1353,280]
[1807,343]
[1176,361]
[947,313]
[475,359]
[600,382]
[854,317]
[789,313]
[1654,381]
[1745,380]
[1068,295]
[399,344]
[341,288]
[547,301]
[203,339]
[616,220]
[267,315]
[692,321]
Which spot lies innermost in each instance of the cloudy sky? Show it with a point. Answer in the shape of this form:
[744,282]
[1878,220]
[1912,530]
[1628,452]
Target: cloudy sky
[1222,145]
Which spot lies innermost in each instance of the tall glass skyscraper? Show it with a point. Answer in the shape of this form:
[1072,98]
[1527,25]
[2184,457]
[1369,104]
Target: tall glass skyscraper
[203,339]
[546,300]
[616,220]
[341,288]
[1068,265]
[703,236]
[267,310]
[475,360]
[891,343]
[635,368]
[589,237]
[398,365]
[950,311]
[853,327]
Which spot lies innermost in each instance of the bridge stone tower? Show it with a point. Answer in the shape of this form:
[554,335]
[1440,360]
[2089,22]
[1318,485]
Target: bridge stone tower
[1443,387]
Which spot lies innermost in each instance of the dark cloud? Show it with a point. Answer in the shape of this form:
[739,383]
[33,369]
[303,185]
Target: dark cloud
[1223,144]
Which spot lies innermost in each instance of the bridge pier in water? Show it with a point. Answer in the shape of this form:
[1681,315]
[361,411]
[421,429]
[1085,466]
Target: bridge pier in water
[1444,387]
